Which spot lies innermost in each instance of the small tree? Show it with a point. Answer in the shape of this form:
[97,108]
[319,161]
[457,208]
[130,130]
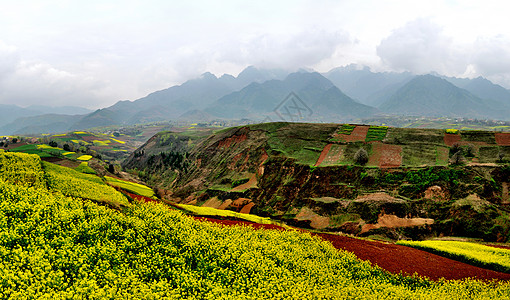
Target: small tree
[470,150]
[457,158]
[361,157]
[53,144]
[455,148]
[501,156]
[67,147]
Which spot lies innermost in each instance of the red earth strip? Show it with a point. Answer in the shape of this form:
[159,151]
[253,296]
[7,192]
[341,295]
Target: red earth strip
[390,257]
[323,155]
[394,258]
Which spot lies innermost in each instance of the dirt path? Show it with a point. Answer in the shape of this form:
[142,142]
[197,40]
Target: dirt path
[396,258]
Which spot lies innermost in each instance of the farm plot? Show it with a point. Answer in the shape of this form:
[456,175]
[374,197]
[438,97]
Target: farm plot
[331,156]
[75,184]
[450,139]
[358,134]
[419,155]
[400,136]
[503,138]
[442,154]
[132,187]
[376,133]
[385,156]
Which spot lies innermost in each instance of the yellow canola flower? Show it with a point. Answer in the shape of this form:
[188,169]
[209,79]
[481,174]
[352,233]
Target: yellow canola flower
[85,157]
[118,141]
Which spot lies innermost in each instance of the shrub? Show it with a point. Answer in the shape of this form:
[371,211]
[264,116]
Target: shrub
[455,148]
[361,156]
[457,158]
[501,156]
[470,150]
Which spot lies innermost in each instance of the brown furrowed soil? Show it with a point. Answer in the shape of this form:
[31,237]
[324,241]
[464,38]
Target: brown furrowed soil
[239,222]
[396,259]
[323,155]
[142,198]
[393,258]
[359,134]
[450,139]
[385,156]
[503,138]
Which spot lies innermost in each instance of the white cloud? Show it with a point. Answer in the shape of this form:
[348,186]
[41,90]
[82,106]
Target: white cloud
[289,51]
[421,46]
[34,82]
[491,57]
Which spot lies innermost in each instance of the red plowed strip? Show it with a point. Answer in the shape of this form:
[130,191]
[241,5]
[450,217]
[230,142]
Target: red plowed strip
[395,258]
[142,198]
[503,138]
[238,222]
[323,155]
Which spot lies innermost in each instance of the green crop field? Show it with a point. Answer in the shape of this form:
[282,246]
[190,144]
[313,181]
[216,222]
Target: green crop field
[476,254]
[346,129]
[376,133]
[132,187]
[84,168]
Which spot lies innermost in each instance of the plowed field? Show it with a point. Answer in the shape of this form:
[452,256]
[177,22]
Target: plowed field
[395,258]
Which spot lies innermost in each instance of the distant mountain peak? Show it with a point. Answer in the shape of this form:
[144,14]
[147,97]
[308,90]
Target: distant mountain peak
[208,75]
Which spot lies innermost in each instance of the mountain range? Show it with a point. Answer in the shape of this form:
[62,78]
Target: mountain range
[343,94]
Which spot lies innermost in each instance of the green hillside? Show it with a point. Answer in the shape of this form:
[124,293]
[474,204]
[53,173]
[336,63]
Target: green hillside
[414,183]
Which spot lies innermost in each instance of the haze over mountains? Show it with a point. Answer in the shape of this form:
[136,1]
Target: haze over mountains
[341,95]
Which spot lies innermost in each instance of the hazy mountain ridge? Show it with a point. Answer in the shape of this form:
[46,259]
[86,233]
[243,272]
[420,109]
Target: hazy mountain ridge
[428,95]
[321,96]
[341,94]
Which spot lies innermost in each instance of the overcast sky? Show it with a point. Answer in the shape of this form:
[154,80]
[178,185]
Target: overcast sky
[93,53]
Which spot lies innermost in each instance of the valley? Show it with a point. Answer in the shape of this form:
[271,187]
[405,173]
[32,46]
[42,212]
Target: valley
[279,180]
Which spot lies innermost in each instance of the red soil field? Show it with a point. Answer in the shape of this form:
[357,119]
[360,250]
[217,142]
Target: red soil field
[323,155]
[450,139]
[385,156]
[394,258]
[359,134]
[503,138]
[239,222]
[142,198]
